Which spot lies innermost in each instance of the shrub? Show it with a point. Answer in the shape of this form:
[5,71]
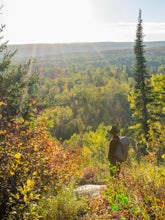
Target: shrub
[89,176]
[61,205]
[31,162]
[138,193]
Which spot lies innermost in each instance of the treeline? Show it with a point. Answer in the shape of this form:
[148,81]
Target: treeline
[96,55]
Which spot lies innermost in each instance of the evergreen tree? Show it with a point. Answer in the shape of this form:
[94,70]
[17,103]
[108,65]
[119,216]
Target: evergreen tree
[18,85]
[5,56]
[141,94]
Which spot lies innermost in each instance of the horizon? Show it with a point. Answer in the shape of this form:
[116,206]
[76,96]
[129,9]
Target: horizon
[87,42]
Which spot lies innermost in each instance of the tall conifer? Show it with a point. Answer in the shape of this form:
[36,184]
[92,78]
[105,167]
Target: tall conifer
[141,90]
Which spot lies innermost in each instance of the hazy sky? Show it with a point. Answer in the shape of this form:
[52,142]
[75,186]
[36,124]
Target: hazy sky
[54,21]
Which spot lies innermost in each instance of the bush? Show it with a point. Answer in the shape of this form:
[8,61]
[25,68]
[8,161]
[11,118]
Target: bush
[61,205]
[89,176]
[139,192]
[31,162]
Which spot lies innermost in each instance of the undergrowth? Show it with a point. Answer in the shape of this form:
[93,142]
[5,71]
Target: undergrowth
[136,194]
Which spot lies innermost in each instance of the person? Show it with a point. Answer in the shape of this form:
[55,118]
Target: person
[113,163]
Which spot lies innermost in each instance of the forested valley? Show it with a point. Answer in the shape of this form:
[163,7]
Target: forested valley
[55,113]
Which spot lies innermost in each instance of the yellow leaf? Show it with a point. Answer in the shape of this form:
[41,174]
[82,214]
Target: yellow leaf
[21,120]
[31,196]
[163,156]
[35,147]
[11,172]
[20,144]
[17,156]
[25,198]
[2,132]
[30,183]
[45,188]
[17,196]
[2,103]
[34,173]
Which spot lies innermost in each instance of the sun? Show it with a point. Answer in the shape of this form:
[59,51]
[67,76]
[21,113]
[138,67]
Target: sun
[70,18]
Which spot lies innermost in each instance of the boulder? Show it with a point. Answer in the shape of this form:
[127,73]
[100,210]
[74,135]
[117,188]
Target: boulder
[91,190]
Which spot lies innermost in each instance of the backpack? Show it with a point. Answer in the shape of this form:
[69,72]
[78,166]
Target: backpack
[121,153]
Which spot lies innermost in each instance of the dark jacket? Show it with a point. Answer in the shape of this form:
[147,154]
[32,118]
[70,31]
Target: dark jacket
[112,148]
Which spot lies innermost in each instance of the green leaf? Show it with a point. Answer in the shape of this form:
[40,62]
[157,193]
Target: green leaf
[114,207]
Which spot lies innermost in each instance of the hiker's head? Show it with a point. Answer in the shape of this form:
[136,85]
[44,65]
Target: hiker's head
[114,130]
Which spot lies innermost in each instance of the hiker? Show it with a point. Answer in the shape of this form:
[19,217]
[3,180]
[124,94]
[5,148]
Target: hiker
[114,164]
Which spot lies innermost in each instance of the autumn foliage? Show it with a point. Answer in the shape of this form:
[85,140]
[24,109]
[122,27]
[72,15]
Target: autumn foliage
[31,162]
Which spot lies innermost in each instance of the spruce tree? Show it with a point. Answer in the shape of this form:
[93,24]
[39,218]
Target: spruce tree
[18,86]
[140,96]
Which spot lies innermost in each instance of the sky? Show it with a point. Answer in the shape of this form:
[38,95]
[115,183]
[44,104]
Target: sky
[67,21]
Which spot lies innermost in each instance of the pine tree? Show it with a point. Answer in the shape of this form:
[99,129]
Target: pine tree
[17,87]
[141,94]
[5,56]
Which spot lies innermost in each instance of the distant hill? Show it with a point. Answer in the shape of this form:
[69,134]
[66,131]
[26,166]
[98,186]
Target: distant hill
[46,50]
